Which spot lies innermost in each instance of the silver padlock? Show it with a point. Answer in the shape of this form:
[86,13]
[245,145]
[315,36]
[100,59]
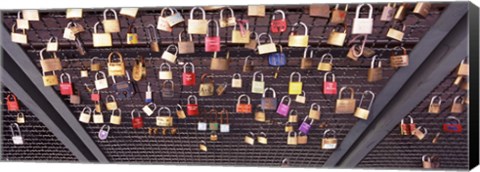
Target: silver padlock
[363,25]
[17,139]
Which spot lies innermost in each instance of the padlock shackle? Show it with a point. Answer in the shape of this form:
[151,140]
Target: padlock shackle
[357,14]
[435,98]
[19,13]
[327,131]
[194,98]
[213,111]
[293,112]
[163,10]
[426,158]
[105,13]
[352,92]
[346,7]
[255,75]
[87,108]
[154,105]
[251,134]
[13,130]
[371,100]
[199,8]
[297,24]
[240,98]
[453,118]
[94,89]
[65,74]
[231,13]
[13,28]
[424,129]
[276,12]
[110,96]
[165,64]
[285,97]
[91,60]
[207,75]
[239,22]
[149,88]
[455,100]
[174,46]
[305,120]
[315,105]
[11,96]
[168,81]
[305,52]
[372,64]
[399,48]
[43,50]
[152,33]
[103,127]
[110,56]
[180,36]
[285,161]
[159,112]
[185,67]
[327,55]
[326,75]
[296,73]
[100,72]
[237,74]
[20,114]
[274,95]
[246,60]
[264,33]
[53,38]
[217,32]
[138,113]
[344,28]
[303,93]
[411,119]
[223,111]
[356,46]
[119,112]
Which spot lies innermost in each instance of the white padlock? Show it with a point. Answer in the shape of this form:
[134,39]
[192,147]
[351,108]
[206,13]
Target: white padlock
[148,110]
[363,25]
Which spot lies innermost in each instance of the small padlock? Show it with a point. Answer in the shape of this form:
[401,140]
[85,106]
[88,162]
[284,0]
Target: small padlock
[314,113]
[21,38]
[103,134]
[422,9]
[74,13]
[66,88]
[329,142]
[221,88]
[97,118]
[20,118]
[175,18]
[197,26]
[101,39]
[252,44]
[434,108]
[132,36]
[388,12]
[241,36]
[188,78]
[69,31]
[269,103]
[463,68]
[244,108]
[258,86]
[83,72]
[202,125]
[267,47]
[164,121]
[419,134]
[168,91]
[116,119]
[206,87]
[256,10]
[16,138]
[236,80]
[111,25]
[22,23]
[293,116]
[192,108]
[50,64]
[457,106]
[185,47]
[452,125]
[288,127]
[247,66]
[363,113]
[306,62]
[395,33]
[139,70]
[407,129]
[260,115]
[137,121]
[295,87]
[262,138]
[102,83]
[338,15]
[162,23]
[278,58]
[250,138]
[203,146]
[168,56]
[213,124]
[152,38]
[115,68]
[220,64]
[345,105]
[292,139]
[329,87]
[98,107]
[283,109]
[337,38]
[302,138]
[49,80]
[400,60]
[306,126]
[85,115]
[324,66]
[95,67]
[12,103]
[363,25]
[319,10]
[278,25]
[230,21]
[129,12]
[295,40]
[401,12]
[180,112]
[213,136]
[375,73]
[52,44]
[426,162]
[111,105]
[356,50]
[301,98]
[212,43]
[148,110]
[95,95]
[224,127]
[165,72]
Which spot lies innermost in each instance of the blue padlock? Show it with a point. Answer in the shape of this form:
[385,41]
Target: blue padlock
[277,59]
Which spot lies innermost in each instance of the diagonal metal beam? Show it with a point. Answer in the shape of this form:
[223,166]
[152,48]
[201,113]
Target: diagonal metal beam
[419,54]
[33,74]
[473,118]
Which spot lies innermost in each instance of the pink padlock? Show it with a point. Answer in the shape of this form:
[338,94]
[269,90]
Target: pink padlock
[212,43]
[329,87]
[284,108]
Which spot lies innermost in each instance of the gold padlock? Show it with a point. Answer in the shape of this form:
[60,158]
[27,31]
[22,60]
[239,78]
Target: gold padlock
[401,12]
[74,13]
[293,116]
[165,74]
[400,60]
[329,142]
[314,113]
[266,48]
[230,21]
[337,38]
[463,68]
[457,106]
[319,10]
[180,112]
[213,136]
[252,43]
[422,9]
[52,44]
[361,112]
[19,37]
[298,40]
[20,118]
[302,138]
[162,23]
[164,121]
[203,146]
[94,67]
[111,25]
[185,47]
[168,56]
[101,39]
[306,63]
[132,35]
[221,89]
[250,138]
[49,80]
[356,50]
[262,138]
[152,38]
[419,134]
[256,10]
[110,105]
[435,108]
[260,115]
[22,23]
[292,139]
[116,68]
[50,64]
[220,64]
[397,34]
[31,15]
[197,26]
[338,16]
[345,106]
[98,107]
[116,119]
[375,73]
[206,88]
[248,66]
[241,36]
[324,66]
[129,12]
[288,127]
[139,70]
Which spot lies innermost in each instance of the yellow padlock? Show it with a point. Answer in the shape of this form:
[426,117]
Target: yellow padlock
[197,26]
[298,40]
[295,87]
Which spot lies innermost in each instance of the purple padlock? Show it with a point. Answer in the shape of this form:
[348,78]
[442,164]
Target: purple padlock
[305,127]
[284,108]
[103,134]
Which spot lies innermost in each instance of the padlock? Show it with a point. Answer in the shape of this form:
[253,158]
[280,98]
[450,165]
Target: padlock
[400,60]
[180,112]
[260,115]
[247,66]
[375,73]
[361,112]
[258,86]
[213,124]
[168,56]
[83,72]
[164,121]
[21,38]
[188,78]
[363,25]
[50,64]
[165,72]
[368,52]
[202,124]
[293,116]
[79,47]
[305,126]
[278,25]
[338,15]
[75,99]
[419,134]
[116,119]
[220,64]
[242,36]
[267,47]
[288,127]
[66,88]
[465,85]
[252,43]
[407,129]
[302,138]
[224,127]
[206,87]
[95,95]
[401,12]
[192,108]
[277,58]
[435,108]
[329,142]
[129,12]
[319,10]
[212,43]
[395,33]
[323,66]
[226,22]
[292,139]
[269,103]
[110,103]
[329,87]
[111,25]
[98,107]
[175,18]
[132,36]
[101,39]
[295,40]
[137,121]
[103,134]
[345,105]
[124,89]
[52,44]
[256,10]
[97,117]
[221,88]
[185,47]
[337,38]
[236,80]
[301,98]
[452,125]
[314,113]
[12,103]
[162,22]
[213,136]
[49,80]
[94,67]
[148,110]
[102,83]
[152,38]
[295,87]
[139,70]
[426,162]
[197,26]
[388,12]
[16,138]
[74,13]
[422,9]
[457,106]
[463,68]
[356,50]
[20,118]
[69,31]
[31,15]
[244,108]
[168,91]
[85,115]
[116,68]
[203,146]
[262,138]
[250,138]
[306,62]
[283,108]
[285,163]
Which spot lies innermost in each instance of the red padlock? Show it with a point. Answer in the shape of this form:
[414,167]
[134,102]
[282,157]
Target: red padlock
[407,129]
[329,87]
[188,78]
[452,125]
[244,107]
[278,25]
[212,43]
[192,108]
[66,87]
[12,103]
[95,96]
[137,122]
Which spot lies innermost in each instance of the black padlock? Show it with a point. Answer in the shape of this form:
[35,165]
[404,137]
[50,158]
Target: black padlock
[123,89]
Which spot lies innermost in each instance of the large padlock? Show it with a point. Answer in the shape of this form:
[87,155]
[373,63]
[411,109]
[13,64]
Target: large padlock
[295,87]
[102,83]
[249,138]
[314,113]
[95,95]
[132,35]
[269,103]
[407,129]
[66,88]
[229,21]
[220,64]
[103,134]
[213,124]
[419,133]
[306,126]
[252,43]
[152,38]
[301,98]
[224,127]
[458,105]
[237,80]
[188,78]
[98,118]
[94,67]
[197,26]
[20,118]
[139,69]
[49,80]
[463,68]
[168,91]
[293,116]
[162,22]
[52,44]
[319,10]
[278,25]
[192,108]
[258,86]
[295,40]
[212,43]
[400,60]
[337,38]
[388,12]
[345,105]
[180,113]
[324,66]
[116,68]
[277,58]
[338,15]
[329,87]
[267,47]
[260,115]
[16,138]
[20,38]
[292,138]
[206,87]
[375,73]
[241,36]
[50,64]
[452,125]
[244,108]
[168,56]
[12,103]
[175,18]
[74,13]
[247,65]
[256,10]
[361,112]
[124,89]
[307,62]
[164,121]
[435,107]
[262,138]
[395,33]
[85,115]
[283,108]
[22,23]
[185,47]
[422,9]
[329,142]
[129,12]
[148,108]
[111,25]
[401,12]
[165,72]
[363,25]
